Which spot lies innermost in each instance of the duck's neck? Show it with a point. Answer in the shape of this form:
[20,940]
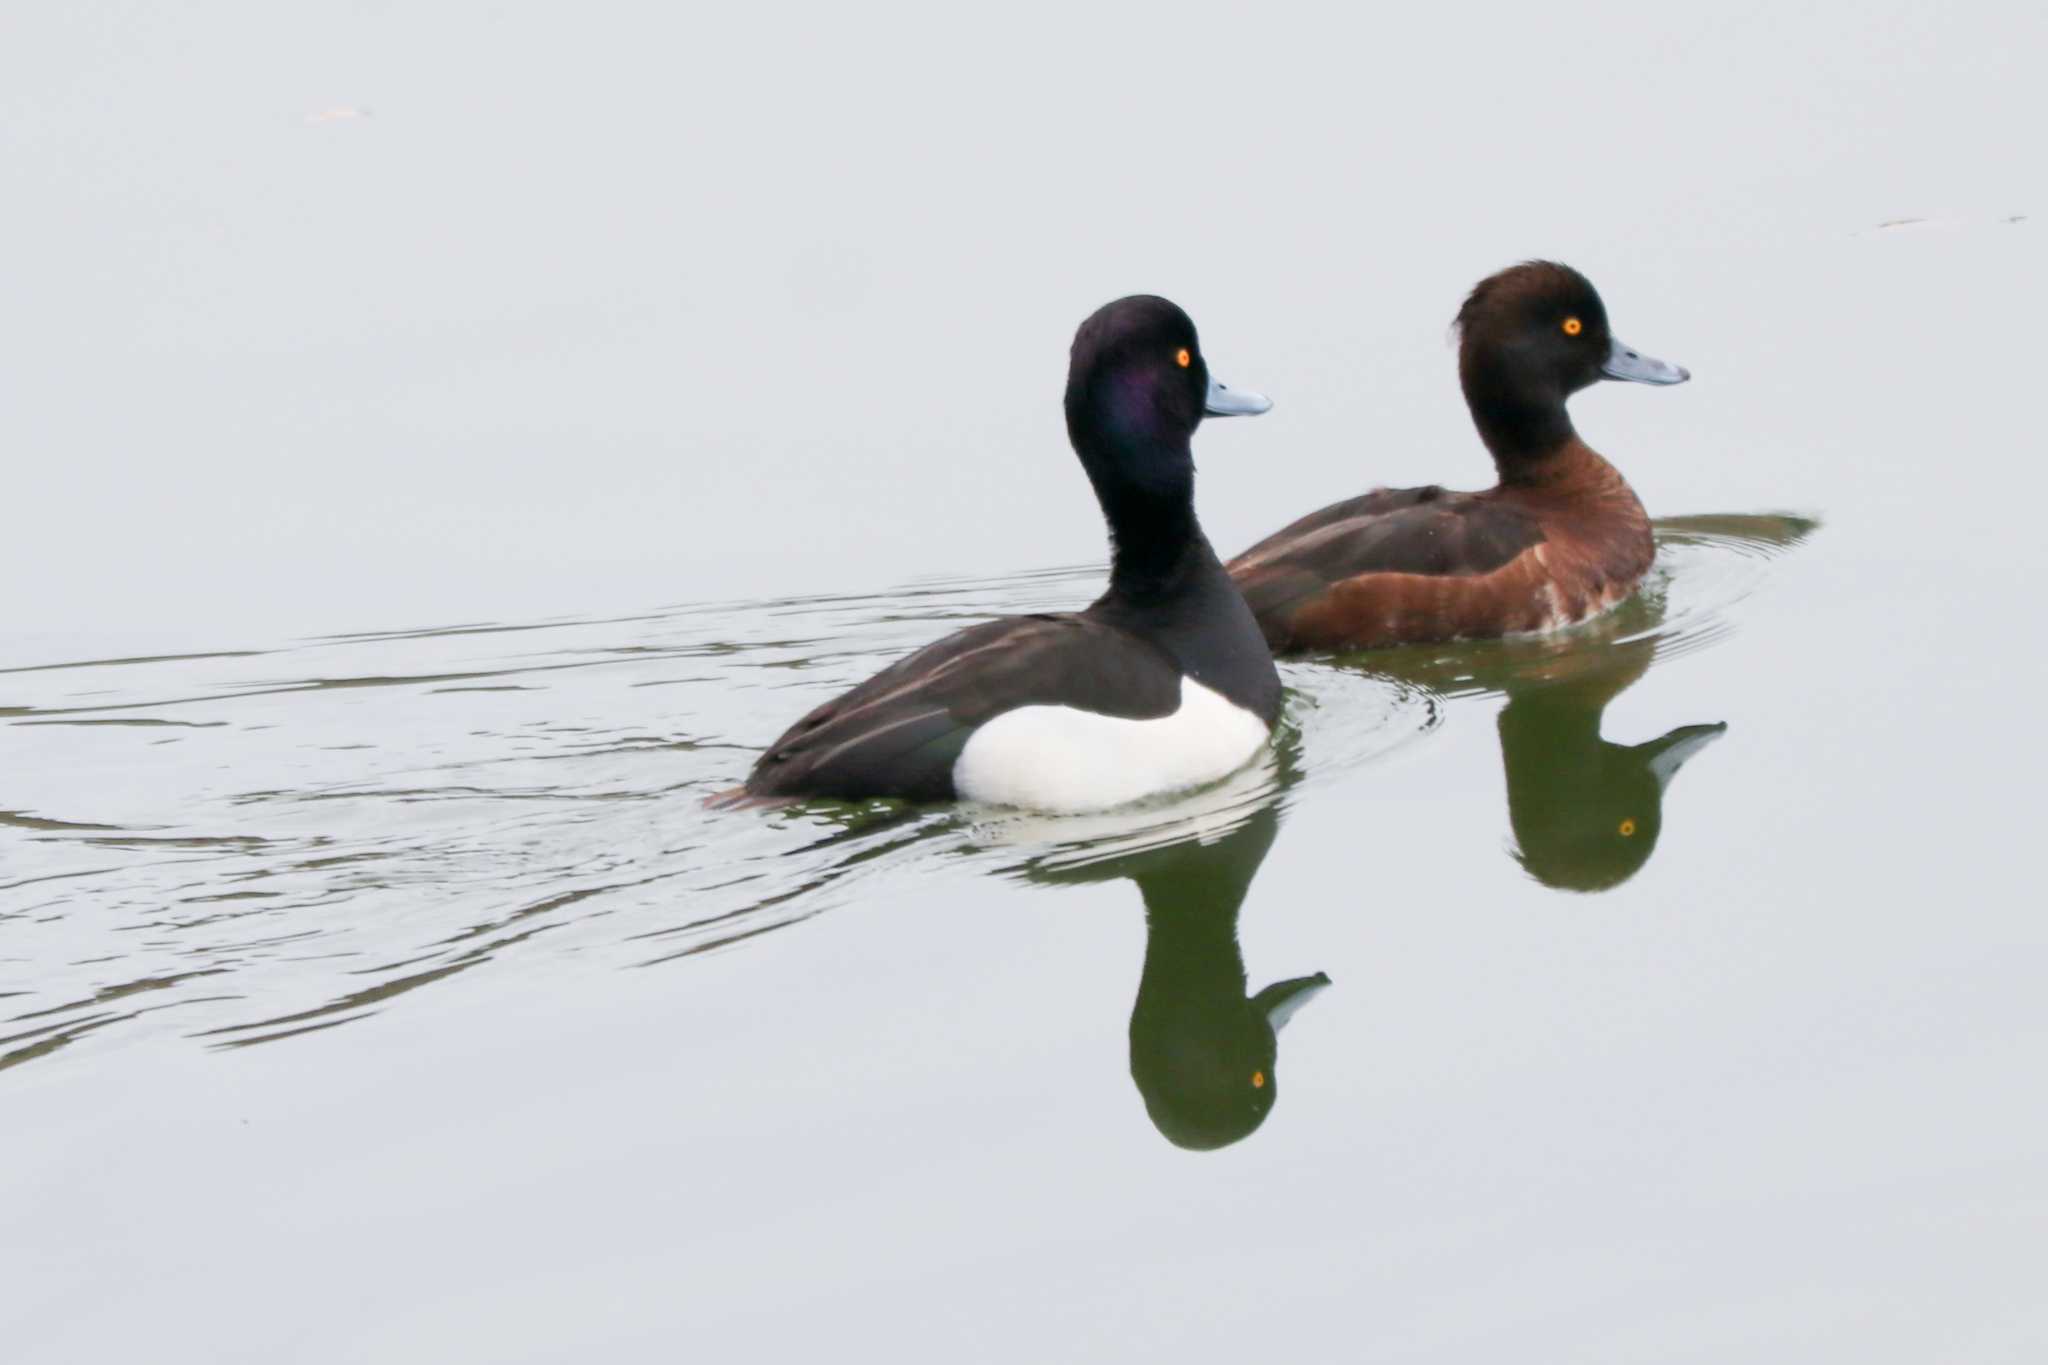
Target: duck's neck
[1158,553]
[1161,557]
[1522,421]
[1165,582]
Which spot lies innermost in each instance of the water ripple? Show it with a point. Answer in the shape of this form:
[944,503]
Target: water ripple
[325,827]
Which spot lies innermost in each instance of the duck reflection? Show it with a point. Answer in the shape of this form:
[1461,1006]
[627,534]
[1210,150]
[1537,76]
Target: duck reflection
[1586,812]
[1204,1049]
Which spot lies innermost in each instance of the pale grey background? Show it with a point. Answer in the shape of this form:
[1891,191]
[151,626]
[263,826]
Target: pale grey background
[624,304]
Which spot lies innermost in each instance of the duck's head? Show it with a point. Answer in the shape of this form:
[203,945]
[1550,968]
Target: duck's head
[1138,384]
[1531,336]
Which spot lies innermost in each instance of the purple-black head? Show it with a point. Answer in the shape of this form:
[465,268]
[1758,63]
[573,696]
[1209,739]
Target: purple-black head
[1136,380]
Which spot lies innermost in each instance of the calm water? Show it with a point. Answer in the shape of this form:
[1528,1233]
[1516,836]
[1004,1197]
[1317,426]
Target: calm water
[442,443]
[1611,967]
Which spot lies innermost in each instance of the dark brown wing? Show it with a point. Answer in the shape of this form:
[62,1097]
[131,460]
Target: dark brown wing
[1377,503]
[900,732]
[1424,532]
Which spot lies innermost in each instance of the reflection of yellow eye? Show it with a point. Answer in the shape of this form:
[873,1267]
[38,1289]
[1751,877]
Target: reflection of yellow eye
[1258,1077]
[1185,358]
[1572,327]
[1628,828]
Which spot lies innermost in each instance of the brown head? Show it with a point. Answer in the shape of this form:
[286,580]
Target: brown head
[1529,338]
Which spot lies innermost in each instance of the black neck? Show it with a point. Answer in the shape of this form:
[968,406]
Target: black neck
[1523,422]
[1147,494]
[1165,582]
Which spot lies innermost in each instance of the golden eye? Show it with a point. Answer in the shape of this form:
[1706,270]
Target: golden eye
[1258,1077]
[1628,828]
[1184,358]
[1572,327]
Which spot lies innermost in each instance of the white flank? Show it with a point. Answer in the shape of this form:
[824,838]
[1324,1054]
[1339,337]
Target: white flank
[1055,758]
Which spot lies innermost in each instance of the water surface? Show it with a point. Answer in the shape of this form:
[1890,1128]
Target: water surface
[1510,959]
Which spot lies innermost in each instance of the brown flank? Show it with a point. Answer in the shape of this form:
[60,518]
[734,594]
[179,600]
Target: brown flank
[1592,546]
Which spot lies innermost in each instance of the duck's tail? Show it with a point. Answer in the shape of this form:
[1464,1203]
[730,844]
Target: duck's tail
[739,798]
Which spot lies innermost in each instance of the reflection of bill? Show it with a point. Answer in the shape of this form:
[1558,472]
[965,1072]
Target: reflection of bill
[1204,1051]
[1587,813]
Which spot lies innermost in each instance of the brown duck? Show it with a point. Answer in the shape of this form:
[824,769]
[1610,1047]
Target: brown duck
[1561,537]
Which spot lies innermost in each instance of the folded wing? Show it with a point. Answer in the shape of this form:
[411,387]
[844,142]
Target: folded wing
[1423,532]
[900,732]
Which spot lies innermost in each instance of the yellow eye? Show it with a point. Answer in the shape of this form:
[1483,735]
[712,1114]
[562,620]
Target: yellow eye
[1258,1080]
[1628,829]
[1572,327]
[1185,358]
